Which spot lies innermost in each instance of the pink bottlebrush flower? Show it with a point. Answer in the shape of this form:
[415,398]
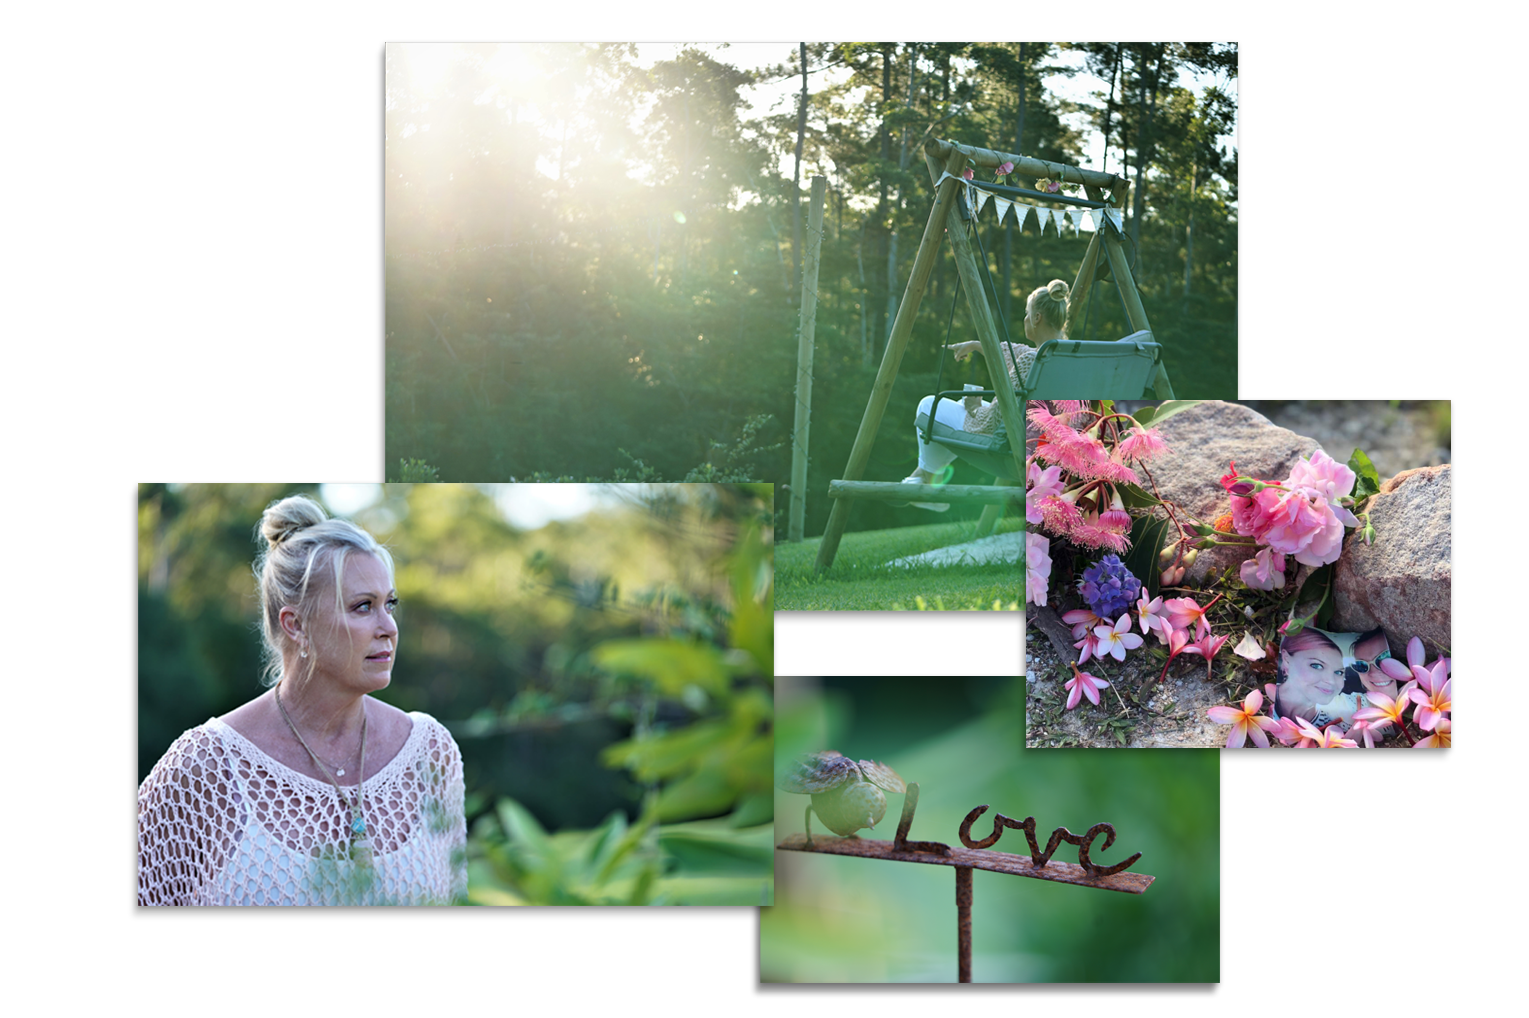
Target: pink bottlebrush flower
[1058,514]
[1114,471]
[1081,456]
[1115,640]
[1083,684]
[1048,424]
[1095,532]
[1246,723]
[1142,443]
[1069,406]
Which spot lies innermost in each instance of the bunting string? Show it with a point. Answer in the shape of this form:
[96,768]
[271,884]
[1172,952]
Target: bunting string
[1058,219]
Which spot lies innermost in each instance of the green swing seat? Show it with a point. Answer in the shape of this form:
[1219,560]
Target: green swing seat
[1087,369]
[1063,369]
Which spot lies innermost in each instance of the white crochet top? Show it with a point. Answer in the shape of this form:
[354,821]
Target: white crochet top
[222,823]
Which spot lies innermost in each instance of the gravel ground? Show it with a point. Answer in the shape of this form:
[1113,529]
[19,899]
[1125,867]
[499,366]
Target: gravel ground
[1396,438]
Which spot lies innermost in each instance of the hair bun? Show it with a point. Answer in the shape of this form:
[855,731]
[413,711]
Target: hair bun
[1057,289]
[287,516]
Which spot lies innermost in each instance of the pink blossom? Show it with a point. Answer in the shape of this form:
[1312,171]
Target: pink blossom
[1327,738]
[1115,640]
[1437,739]
[1058,514]
[1383,711]
[1088,647]
[1142,443]
[1094,531]
[1432,694]
[1302,517]
[1042,483]
[1082,621]
[1184,612]
[1037,568]
[1150,616]
[1113,470]
[1265,571]
[1246,722]
[1207,647]
[1004,169]
[967,174]
[1083,684]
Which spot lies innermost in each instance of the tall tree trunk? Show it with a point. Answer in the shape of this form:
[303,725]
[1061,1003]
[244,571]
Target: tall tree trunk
[897,202]
[1189,234]
[1008,228]
[1148,101]
[796,180]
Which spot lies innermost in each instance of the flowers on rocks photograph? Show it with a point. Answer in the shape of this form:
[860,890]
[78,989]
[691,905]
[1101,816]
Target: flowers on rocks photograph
[1199,575]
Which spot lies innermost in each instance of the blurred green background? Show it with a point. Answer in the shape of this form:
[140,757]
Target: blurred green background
[606,669]
[839,919]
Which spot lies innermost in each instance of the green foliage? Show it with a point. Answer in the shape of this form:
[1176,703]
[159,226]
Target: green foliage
[415,472]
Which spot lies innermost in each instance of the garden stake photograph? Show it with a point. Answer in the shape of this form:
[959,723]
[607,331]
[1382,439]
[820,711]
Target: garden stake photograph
[1084,874]
[1200,575]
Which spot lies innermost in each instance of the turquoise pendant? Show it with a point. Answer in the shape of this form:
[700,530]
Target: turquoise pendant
[358,825]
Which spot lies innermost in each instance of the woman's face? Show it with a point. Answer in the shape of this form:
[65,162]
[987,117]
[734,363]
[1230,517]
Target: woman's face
[1030,322]
[354,641]
[1312,677]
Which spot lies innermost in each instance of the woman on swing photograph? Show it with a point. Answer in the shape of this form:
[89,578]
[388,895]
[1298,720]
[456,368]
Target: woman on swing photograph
[314,792]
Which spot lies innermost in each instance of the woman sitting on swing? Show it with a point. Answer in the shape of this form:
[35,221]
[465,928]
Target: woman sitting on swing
[1045,319]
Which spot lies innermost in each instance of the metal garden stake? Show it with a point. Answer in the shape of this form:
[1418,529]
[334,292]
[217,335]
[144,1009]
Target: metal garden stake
[847,796]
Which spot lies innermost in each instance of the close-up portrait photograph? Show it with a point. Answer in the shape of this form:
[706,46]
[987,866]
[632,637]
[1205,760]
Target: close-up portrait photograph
[437,694]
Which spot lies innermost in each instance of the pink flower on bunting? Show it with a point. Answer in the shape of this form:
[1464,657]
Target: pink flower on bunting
[967,174]
[1004,169]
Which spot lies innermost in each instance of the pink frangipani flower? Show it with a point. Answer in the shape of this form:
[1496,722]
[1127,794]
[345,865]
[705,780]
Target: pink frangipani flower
[1083,684]
[1185,612]
[1431,695]
[1082,621]
[1151,617]
[1206,646]
[1438,738]
[1246,723]
[1114,641]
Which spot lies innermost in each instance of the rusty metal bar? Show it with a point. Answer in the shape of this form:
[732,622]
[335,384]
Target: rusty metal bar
[976,856]
[995,862]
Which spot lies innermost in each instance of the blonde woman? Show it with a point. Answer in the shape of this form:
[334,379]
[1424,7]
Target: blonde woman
[314,792]
[1045,319]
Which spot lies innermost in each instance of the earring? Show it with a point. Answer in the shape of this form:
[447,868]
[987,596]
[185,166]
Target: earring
[304,652]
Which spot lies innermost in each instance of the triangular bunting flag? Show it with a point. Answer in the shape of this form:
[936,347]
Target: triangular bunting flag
[1074,216]
[1043,216]
[982,197]
[1021,213]
[1116,218]
[1001,206]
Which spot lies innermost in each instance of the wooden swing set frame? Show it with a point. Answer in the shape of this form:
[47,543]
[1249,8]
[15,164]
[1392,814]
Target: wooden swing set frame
[946,157]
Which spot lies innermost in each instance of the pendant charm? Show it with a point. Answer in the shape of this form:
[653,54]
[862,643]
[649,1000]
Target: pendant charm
[358,826]
[340,773]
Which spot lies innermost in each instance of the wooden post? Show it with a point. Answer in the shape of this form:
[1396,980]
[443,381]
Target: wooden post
[987,335]
[902,328]
[1124,282]
[809,319]
[1085,278]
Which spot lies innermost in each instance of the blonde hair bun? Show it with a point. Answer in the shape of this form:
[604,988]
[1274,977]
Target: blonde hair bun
[288,516]
[1057,289]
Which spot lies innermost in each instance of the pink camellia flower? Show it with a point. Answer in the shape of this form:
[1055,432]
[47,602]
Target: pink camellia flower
[1114,641]
[1083,684]
[1265,571]
[1302,517]
[1043,483]
[1037,568]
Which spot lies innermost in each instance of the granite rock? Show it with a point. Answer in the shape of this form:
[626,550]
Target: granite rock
[1402,581]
